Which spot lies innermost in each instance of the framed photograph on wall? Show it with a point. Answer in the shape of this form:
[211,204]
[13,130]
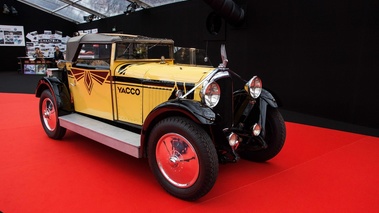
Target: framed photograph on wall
[12,35]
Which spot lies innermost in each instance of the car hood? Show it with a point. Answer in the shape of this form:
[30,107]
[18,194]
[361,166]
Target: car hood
[164,72]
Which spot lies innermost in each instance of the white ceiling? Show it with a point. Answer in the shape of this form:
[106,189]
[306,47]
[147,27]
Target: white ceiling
[76,10]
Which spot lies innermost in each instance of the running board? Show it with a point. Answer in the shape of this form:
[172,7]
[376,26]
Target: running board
[115,137]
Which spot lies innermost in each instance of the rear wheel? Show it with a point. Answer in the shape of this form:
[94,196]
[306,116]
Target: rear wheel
[182,158]
[49,116]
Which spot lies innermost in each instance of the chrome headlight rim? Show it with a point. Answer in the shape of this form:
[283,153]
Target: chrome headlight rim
[254,87]
[210,96]
[61,64]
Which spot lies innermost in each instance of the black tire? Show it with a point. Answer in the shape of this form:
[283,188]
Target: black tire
[48,113]
[275,137]
[183,158]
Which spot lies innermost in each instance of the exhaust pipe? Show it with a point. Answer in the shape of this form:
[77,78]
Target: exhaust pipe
[229,10]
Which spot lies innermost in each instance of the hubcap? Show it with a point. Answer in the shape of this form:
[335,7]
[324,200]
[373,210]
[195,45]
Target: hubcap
[48,114]
[177,160]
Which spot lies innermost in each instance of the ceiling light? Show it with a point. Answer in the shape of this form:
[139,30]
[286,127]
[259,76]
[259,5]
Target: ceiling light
[131,8]
[14,11]
[89,18]
[6,9]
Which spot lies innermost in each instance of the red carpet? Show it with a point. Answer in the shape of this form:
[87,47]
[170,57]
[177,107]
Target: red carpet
[319,170]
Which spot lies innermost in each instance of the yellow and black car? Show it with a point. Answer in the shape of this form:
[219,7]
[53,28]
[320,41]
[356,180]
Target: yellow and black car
[129,92]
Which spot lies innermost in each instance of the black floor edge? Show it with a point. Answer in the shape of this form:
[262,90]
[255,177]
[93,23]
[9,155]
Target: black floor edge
[327,123]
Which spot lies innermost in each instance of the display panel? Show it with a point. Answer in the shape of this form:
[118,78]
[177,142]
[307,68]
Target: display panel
[12,35]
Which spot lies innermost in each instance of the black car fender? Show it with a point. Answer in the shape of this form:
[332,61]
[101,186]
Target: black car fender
[193,110]
[59,91]
[266,98]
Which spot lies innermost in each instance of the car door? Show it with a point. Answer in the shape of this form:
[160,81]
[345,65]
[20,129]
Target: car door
[90,83]
[127,85]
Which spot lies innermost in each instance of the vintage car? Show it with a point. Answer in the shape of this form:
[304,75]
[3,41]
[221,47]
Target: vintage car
[126,92]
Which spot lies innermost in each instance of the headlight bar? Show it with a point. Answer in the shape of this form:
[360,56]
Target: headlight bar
[214,74]
[211,74]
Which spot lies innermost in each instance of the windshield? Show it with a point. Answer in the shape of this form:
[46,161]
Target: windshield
[192,56]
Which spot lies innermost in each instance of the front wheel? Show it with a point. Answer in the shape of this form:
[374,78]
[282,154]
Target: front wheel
[275,135]
[183,158]
[48,113]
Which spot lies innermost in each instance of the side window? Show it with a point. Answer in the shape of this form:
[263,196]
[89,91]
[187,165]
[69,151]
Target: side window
[141,51]
[131,51]
[96,56]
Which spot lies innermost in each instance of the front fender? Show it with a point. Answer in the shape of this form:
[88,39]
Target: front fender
[178,107]
[248,110]
[267,97]
[58,90]
[189,108]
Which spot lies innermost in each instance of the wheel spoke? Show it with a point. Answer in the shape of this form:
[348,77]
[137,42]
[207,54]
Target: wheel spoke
[166,147]
[187,160]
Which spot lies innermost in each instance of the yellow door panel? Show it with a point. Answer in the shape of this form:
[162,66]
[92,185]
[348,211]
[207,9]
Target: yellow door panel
[93,87]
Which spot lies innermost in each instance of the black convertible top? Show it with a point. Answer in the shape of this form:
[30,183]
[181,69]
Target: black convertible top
[108,38]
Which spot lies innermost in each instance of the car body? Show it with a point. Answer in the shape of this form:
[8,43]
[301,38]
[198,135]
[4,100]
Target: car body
[130,93]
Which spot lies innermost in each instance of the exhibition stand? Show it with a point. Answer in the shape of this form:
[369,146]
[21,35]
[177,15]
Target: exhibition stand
[37,66]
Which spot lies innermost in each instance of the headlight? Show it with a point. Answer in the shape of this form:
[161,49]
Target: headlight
[61,64]
[254,87]
[210,94]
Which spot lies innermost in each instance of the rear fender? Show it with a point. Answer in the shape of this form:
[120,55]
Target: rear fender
[58,90]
